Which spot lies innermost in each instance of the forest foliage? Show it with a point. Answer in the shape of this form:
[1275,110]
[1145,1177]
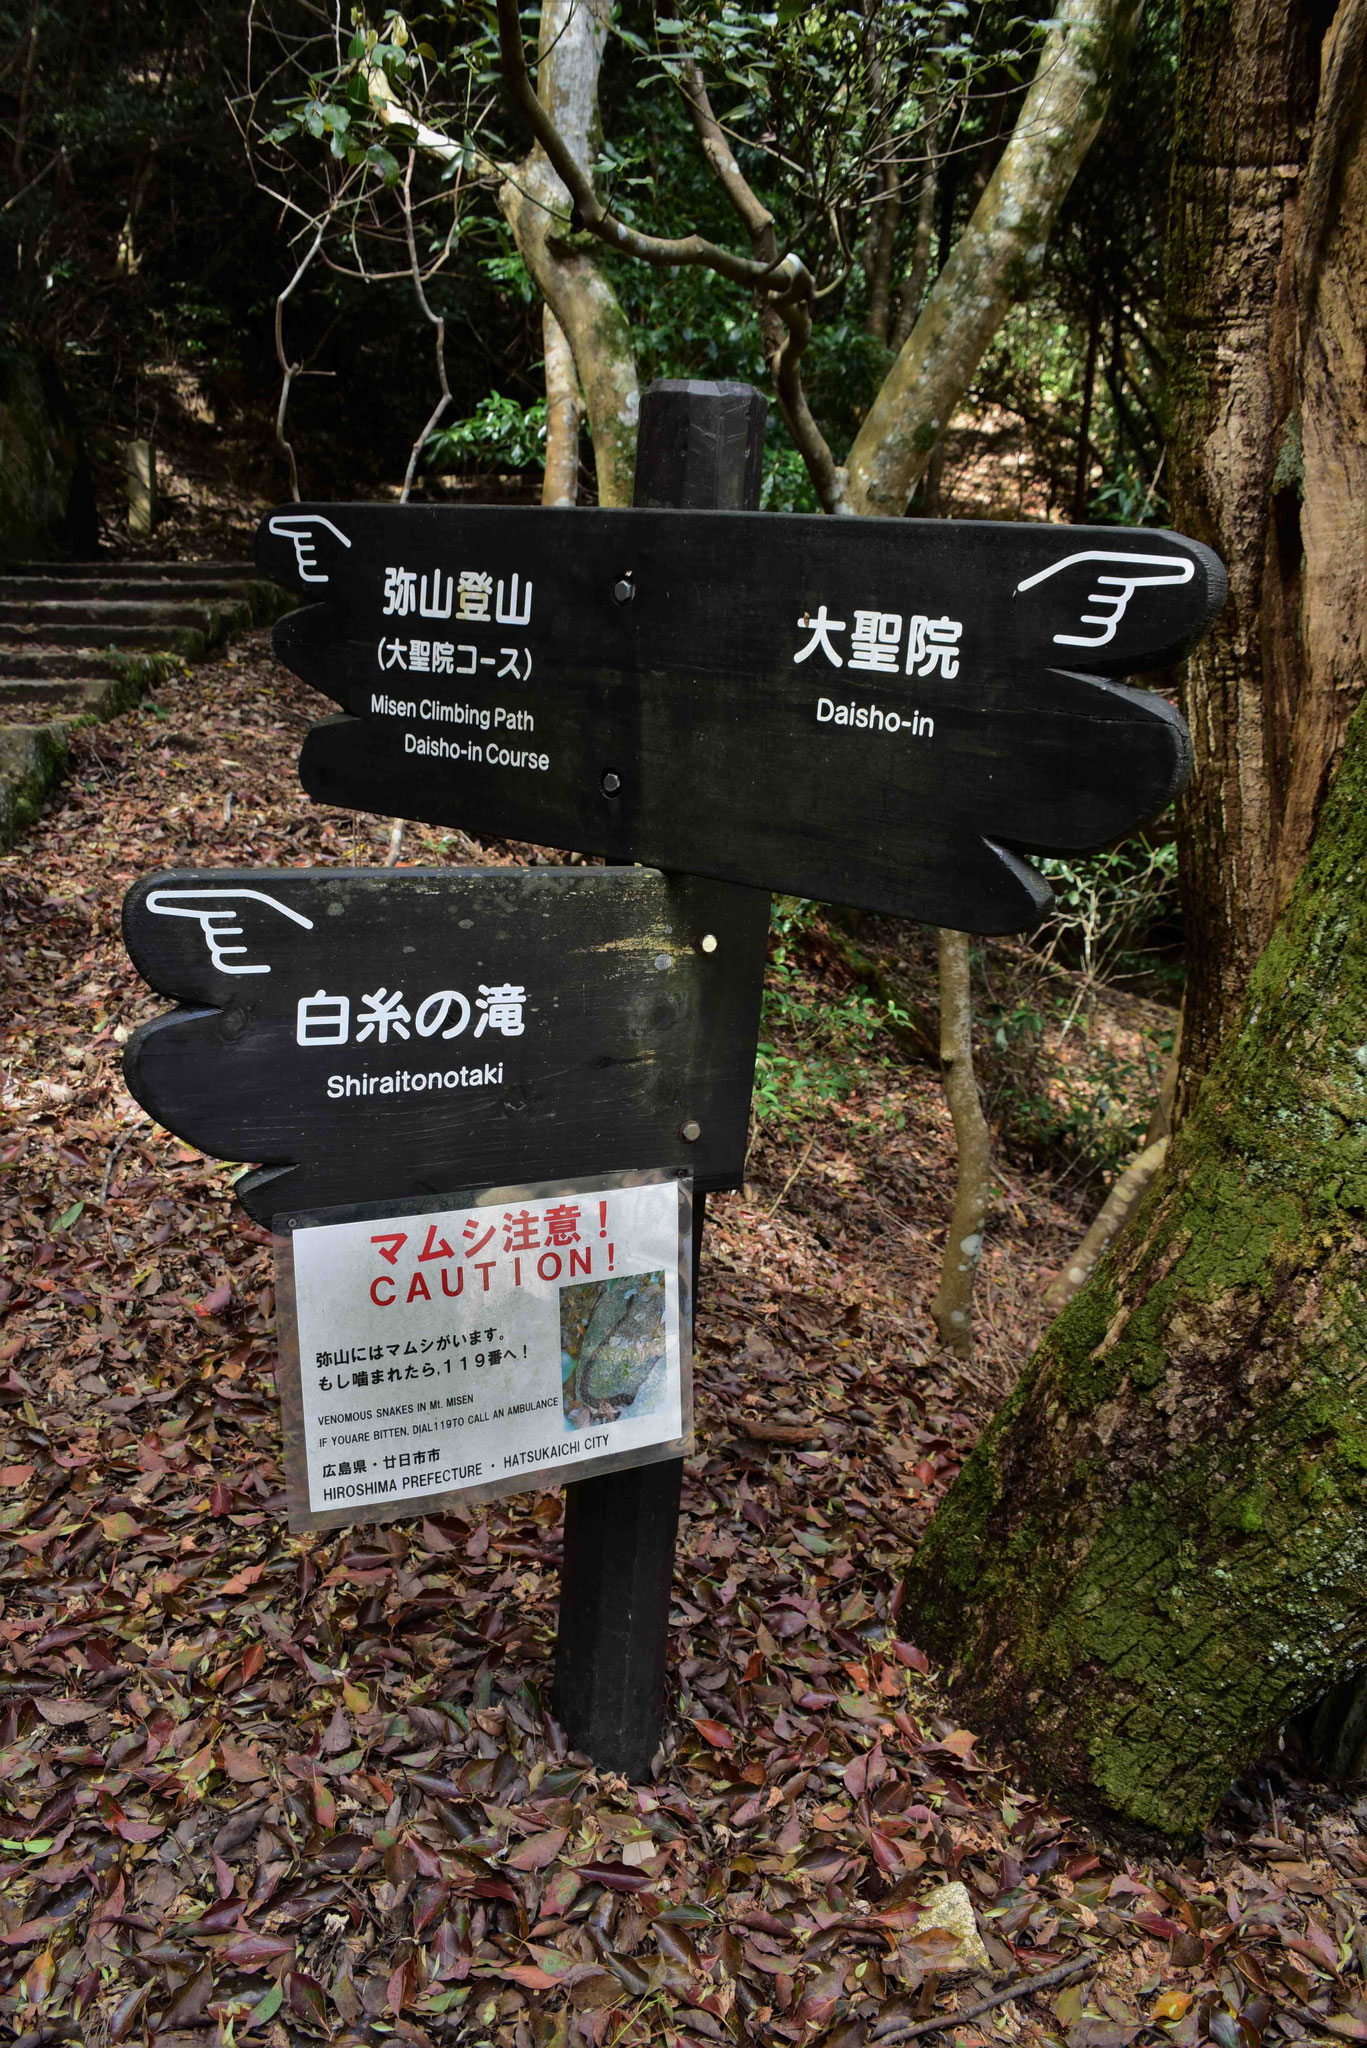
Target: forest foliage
[165,167]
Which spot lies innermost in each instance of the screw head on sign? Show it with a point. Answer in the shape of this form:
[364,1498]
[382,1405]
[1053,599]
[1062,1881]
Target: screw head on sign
[623,590]
[708,942]
[691,1132]
[611,783]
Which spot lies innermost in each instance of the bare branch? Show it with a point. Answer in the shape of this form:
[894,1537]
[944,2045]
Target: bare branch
[914,283]
[1114,1214]
[289,370]
[437,321]
[952,1308]
[830,478]
[756,217]
[783,276]
[786,325]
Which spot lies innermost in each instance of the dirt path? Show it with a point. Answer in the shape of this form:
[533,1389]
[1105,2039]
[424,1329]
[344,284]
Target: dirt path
[278,1789]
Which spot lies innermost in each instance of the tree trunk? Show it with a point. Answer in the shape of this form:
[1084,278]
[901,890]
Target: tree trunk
[564,414]
[998,255]
[1157,1553]
[952,1309]
[914,283]
[883,218]
[1268,460]
[1082,473]
[537,208]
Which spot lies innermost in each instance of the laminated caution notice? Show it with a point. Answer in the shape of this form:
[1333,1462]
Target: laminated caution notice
[488,1342]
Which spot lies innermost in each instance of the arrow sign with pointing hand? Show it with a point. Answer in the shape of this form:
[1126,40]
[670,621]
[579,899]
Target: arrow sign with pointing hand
[368,1033]
[886,712]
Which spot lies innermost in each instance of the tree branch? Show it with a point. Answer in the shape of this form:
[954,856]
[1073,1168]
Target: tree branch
[952,1308]
[784,276]
[436,319]
[998,256]
[564,411]
[785,323]
[756,217]
[288,370]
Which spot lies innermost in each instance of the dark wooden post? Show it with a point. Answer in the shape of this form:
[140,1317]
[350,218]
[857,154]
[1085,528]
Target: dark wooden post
[701,449]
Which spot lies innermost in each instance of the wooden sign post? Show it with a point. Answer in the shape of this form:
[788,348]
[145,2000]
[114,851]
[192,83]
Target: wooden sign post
[883,712]
[635,1028]
[382,1038]
[701,448]
[887,713]
[372,1033]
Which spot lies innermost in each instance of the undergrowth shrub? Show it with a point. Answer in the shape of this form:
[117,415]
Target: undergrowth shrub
[814,1051]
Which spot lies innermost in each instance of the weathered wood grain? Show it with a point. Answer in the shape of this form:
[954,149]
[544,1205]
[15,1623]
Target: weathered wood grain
[673,695]
[635,1031]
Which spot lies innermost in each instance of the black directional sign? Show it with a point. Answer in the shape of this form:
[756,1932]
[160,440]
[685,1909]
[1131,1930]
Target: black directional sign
[883,712]
[369,1033]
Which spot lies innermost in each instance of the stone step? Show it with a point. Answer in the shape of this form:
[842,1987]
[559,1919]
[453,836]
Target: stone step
[126,590]
[74,666]
[97,616]
[30,700]
[97,637]
[105,567]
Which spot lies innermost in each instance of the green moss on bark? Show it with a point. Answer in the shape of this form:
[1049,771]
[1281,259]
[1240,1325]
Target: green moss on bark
[1159,1550]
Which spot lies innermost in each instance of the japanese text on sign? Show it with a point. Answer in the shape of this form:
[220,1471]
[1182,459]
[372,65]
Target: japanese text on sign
[323,1019]
[466,596]
[567,1348]
[932,645]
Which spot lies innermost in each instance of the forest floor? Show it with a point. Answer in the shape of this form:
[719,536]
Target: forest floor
[282,1789]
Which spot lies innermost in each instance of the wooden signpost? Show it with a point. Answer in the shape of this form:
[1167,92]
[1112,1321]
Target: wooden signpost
[372,1033]
[880,712]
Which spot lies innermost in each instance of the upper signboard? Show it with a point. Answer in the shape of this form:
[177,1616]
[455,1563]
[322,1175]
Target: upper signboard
[872,711]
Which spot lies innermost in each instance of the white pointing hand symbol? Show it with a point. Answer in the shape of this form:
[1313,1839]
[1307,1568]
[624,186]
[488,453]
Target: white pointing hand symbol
[219,920]
[298,527]
[1111,603]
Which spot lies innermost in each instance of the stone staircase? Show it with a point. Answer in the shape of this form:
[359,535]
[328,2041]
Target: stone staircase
[83,640]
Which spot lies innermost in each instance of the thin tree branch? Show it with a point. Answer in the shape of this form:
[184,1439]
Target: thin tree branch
[783,277]
[952,1308]
[289,370]
[786,324]
[436,319]
[1022,1987]
[756,217]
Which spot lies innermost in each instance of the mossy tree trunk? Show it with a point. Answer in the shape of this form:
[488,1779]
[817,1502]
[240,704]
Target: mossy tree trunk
[1268,322]
[1159,1550]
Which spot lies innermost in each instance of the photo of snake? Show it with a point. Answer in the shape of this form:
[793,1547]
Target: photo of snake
[613,1355]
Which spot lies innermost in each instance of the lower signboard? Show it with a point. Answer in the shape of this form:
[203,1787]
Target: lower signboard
[482,1343]
[373,1034]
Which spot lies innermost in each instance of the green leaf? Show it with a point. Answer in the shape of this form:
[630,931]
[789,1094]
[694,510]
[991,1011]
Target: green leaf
[384,162]
[267,2006]
[67,1217]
